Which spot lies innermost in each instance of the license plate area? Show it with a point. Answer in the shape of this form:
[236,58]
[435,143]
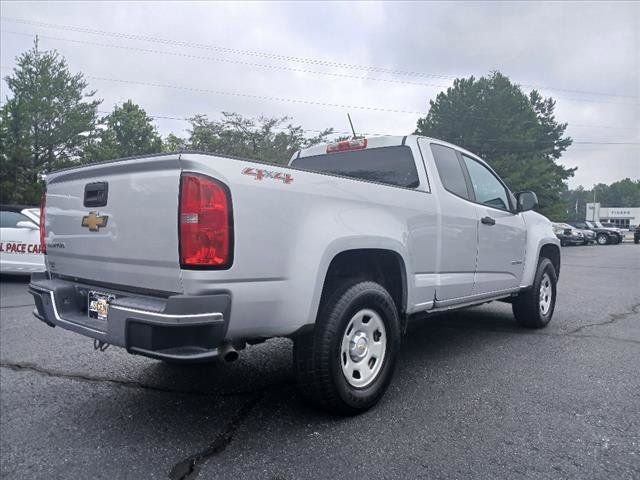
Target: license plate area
[98,304]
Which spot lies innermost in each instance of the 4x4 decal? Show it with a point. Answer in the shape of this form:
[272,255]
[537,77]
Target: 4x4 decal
[259,173]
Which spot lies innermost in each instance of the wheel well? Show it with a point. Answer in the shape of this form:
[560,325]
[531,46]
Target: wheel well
[552,252]
[385,267]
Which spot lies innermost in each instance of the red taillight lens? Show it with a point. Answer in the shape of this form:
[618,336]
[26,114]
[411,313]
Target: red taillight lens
[347,145]
[43,202]
[205,222]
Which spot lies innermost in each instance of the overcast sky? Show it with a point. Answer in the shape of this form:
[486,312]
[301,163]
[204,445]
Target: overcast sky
[382,62]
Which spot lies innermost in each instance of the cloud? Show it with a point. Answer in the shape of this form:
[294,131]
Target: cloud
[571,47]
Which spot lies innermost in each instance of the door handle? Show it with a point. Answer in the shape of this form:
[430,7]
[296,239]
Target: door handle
[488,220]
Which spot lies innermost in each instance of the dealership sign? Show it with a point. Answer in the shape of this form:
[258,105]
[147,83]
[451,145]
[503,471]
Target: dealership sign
[619,212]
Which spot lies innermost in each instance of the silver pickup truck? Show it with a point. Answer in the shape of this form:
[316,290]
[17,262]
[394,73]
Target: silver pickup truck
[188,257]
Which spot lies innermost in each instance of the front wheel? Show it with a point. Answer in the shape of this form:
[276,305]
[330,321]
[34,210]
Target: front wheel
[346,363]
[533,308]
[602,239]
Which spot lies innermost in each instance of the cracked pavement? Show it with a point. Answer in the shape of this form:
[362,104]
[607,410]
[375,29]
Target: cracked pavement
[473,397]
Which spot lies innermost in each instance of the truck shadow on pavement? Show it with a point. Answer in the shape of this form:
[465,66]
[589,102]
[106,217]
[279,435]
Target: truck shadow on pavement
[268,365]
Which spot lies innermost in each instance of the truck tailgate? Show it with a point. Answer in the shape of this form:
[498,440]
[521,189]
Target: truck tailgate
[129,238]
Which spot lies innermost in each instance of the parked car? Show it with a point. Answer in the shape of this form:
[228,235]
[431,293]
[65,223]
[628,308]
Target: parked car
[568,235]
[636,235]
[335,251]
[621,231]
[603,235]
[20,251]
[588,236]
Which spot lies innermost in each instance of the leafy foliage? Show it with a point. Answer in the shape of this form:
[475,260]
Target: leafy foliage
[45,125]
[126,132]
[173,143]
[264,139]
[516,134]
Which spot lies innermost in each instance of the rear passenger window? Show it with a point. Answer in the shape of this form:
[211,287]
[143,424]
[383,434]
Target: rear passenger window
[450,170]
[390,165]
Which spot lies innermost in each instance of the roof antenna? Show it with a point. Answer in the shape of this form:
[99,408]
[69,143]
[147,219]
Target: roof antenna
[352,129]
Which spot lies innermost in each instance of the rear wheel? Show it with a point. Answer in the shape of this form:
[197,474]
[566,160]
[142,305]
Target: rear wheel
[534,307]
[346,363]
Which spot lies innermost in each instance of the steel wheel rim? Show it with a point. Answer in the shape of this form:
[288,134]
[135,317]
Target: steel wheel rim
[546,294]
[602,239]
[363,348]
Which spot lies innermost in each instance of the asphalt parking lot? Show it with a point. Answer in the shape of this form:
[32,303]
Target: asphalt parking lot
[473,397]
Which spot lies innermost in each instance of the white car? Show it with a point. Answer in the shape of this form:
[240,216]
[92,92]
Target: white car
[20,251]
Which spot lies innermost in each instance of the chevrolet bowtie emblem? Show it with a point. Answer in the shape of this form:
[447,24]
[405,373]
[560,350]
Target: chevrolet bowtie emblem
[94,221]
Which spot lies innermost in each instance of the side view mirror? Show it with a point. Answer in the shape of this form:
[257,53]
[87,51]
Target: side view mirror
[27,224]
[526,200]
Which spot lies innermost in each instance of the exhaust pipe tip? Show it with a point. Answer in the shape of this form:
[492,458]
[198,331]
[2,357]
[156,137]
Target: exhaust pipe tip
[228,353]
[231,356]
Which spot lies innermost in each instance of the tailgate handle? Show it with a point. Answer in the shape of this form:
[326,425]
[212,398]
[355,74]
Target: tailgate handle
[95,194]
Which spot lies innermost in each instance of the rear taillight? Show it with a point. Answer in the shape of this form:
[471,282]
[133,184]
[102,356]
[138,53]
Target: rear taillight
[43,201]
[205,222]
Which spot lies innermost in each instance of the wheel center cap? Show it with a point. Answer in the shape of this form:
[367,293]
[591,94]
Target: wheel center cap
[358,346]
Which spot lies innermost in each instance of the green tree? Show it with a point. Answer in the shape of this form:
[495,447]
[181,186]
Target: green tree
[126,132]
[44,124]
[516,134]
[265,139]
[173,143]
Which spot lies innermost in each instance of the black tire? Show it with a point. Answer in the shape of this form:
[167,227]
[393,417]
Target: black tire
[527,306]
[636,240]
[317,354]
[602,239]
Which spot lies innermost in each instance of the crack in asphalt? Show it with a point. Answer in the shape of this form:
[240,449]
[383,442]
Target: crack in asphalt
[30,367]
[97,379]
[613,317]
[189,468]
[17,306]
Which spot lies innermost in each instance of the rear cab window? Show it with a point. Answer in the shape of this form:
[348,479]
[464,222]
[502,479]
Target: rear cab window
[393,165]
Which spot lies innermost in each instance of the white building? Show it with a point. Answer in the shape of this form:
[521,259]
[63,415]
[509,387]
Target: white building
[621,217]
